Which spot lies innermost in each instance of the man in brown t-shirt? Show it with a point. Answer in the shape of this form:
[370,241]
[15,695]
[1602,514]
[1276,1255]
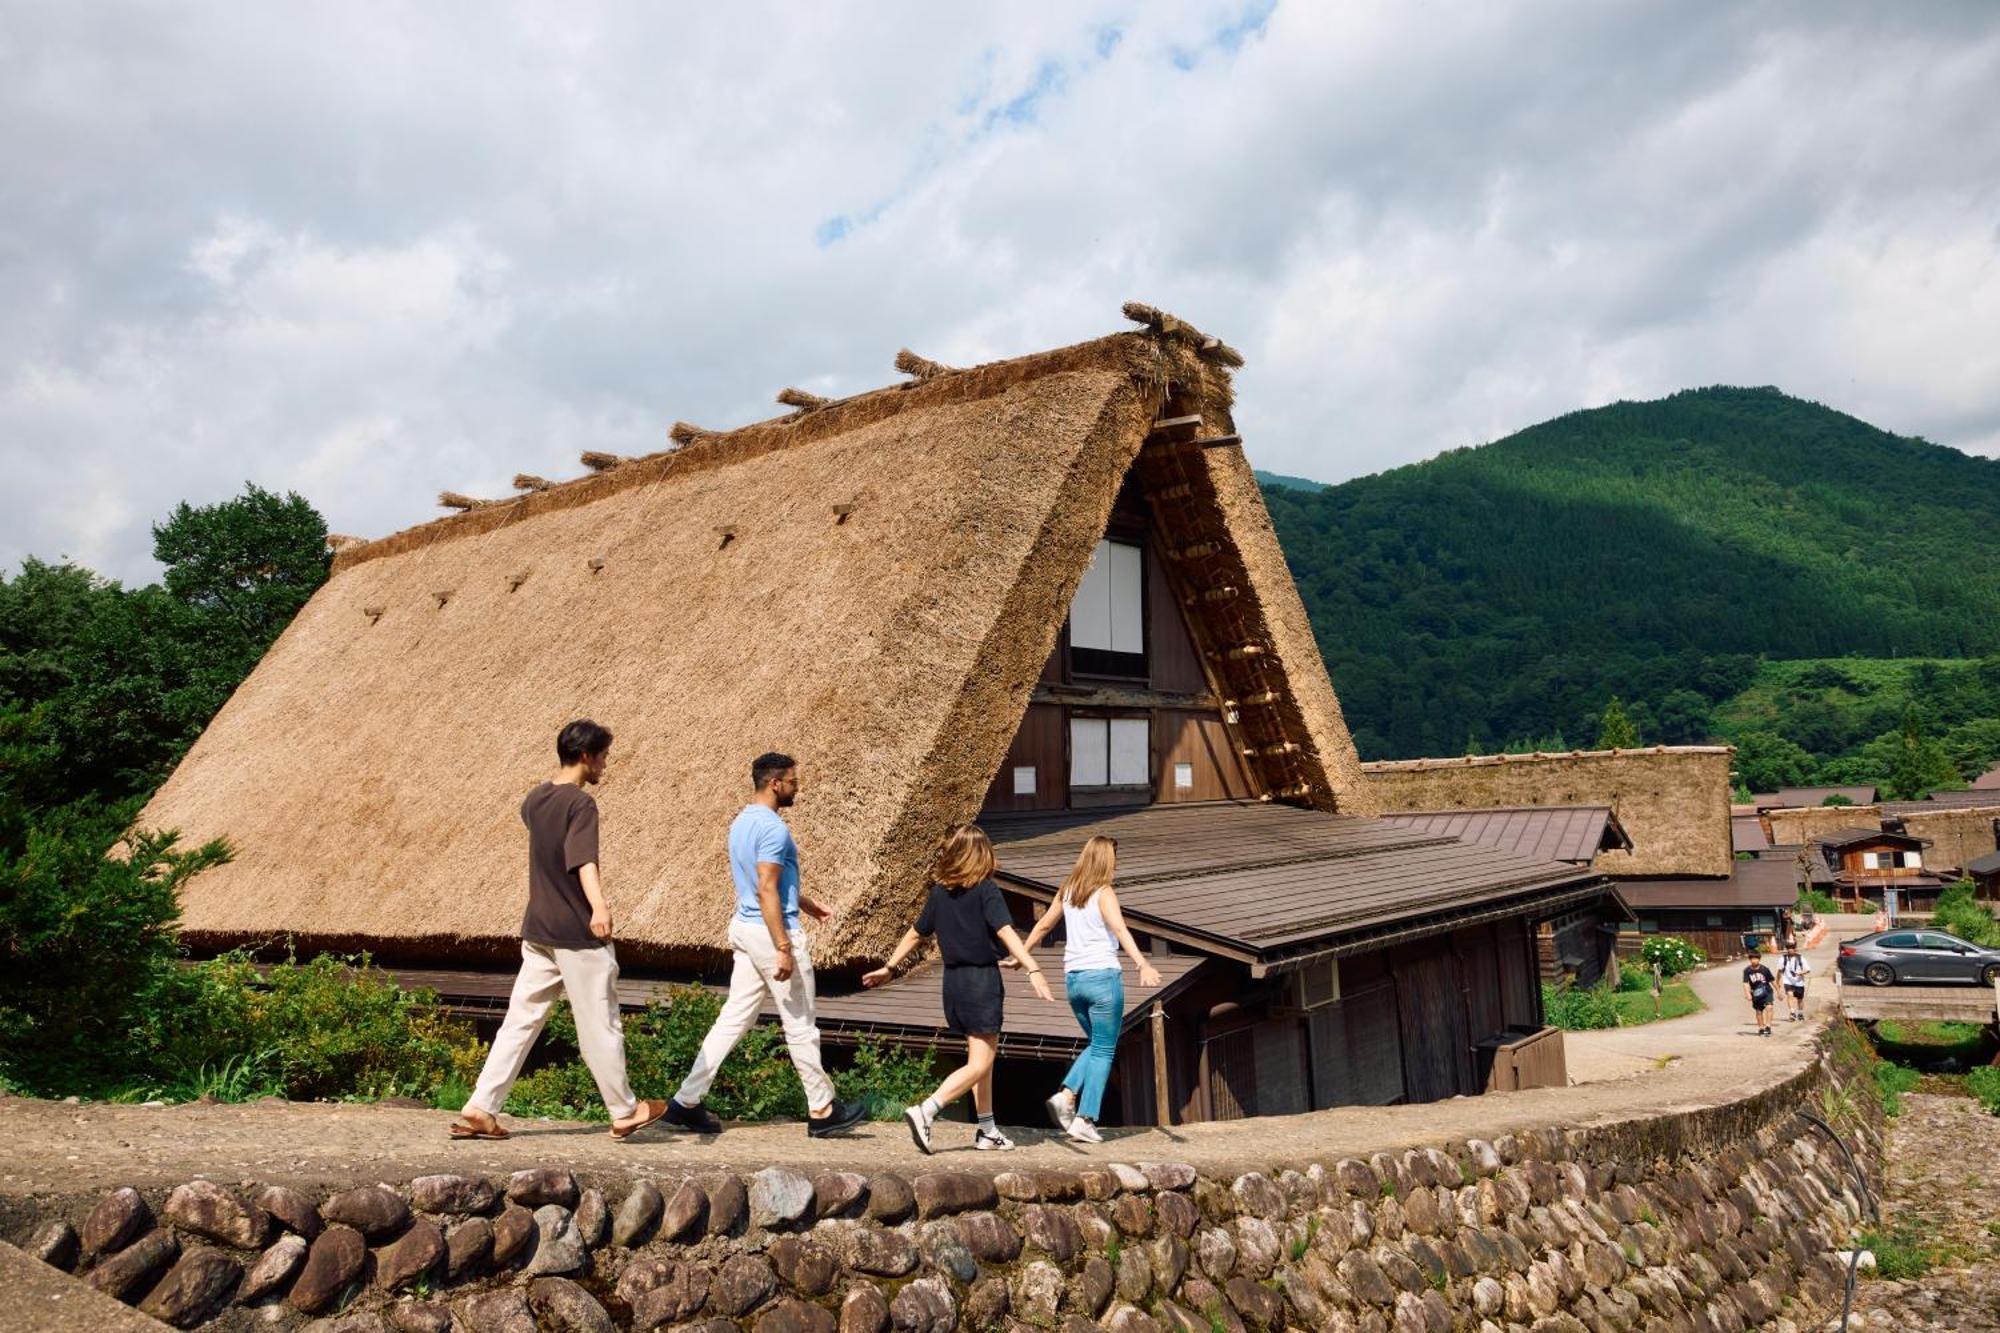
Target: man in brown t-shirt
[565,947]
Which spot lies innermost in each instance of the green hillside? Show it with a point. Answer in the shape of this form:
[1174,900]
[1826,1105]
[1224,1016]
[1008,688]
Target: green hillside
[1658,551]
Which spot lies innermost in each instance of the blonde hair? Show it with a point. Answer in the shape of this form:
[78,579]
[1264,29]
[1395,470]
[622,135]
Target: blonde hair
[1094,867]
[965,857]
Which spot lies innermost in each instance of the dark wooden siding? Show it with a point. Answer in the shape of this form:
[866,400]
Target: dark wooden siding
[1478,953]
[1182,736]
[1430,1010]
[1174,663]
[1043,742]
[1357,1048]
[1520,986]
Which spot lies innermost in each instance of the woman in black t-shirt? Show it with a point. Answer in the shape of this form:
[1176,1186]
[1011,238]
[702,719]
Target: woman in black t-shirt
[967,915]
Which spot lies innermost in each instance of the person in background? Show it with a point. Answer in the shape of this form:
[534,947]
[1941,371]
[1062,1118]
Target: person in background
[565,947]
[966,913]
[1760,987]
[1093,930]
[1793,969]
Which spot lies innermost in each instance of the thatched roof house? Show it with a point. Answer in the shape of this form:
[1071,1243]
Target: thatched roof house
[874,585]
[1671,800]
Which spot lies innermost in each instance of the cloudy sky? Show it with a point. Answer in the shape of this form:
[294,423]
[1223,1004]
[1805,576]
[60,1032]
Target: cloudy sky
[368,252]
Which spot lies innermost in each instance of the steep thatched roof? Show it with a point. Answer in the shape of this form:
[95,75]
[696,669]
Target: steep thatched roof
[1671,800]
[872,585]
[1956,836]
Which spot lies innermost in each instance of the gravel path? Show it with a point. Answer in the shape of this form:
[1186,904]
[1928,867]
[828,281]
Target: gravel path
[1944,1183]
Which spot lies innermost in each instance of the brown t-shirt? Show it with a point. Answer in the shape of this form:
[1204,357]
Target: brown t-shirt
[562,839]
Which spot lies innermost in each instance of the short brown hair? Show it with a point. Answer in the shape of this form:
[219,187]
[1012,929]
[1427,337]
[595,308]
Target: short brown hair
[964,857]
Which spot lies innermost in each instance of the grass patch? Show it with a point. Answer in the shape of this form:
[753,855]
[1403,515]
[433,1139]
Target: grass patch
[1984,1085]
[1907,1250]
[1600,1006]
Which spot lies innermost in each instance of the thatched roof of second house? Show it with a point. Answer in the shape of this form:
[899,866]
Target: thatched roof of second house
[872,585]
[1672,801]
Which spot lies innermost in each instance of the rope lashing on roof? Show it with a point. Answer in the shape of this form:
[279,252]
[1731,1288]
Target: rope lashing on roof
[920,368]
[516,579]
[600,462]
[594,564]
[374,613]
[685,433]
[462,503]
[799,398]
[441,596]
[728,535]
[1160,322]
[528,481]
[841,513]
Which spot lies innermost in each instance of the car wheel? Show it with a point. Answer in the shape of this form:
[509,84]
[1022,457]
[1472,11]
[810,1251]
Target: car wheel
[1880,974]
[1990,973]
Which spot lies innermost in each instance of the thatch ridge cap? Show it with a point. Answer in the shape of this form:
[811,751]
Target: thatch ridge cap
[1126,351]
[1480,760]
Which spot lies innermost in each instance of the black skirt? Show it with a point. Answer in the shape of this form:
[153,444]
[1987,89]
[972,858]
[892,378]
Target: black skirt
[972,999]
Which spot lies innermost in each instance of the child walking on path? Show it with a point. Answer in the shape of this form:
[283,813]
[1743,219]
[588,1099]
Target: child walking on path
[969,918]
[1793,970]
[1093,930]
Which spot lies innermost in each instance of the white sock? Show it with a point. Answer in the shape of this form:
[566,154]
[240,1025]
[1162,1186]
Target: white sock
[931,1108]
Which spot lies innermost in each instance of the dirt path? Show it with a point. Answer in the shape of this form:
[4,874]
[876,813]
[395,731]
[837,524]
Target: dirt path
[1723,1031]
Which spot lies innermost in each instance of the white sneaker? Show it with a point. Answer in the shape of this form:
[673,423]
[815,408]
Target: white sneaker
[920,1126]
[1083,1131]
[1062,1109]
[992,1140]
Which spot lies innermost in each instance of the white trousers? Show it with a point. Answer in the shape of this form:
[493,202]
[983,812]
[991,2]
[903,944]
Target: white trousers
[752,978]
[590,978]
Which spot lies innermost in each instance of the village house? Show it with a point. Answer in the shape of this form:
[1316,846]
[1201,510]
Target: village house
[1043,592]
[1862,866]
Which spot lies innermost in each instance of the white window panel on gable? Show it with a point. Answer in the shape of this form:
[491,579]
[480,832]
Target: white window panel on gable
[1108,612]
[1089,752]
[1131,744]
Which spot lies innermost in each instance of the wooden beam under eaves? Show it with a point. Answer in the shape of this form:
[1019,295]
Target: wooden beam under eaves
[1174,430]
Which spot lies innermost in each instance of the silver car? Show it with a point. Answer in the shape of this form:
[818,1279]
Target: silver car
[1890,956]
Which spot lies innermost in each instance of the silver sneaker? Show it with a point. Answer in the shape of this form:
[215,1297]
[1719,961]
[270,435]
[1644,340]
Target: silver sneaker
[920,1127]
[992,1141]
[1062,1109]
[1083,1131]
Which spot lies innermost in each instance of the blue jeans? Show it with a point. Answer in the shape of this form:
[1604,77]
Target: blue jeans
[1097,998]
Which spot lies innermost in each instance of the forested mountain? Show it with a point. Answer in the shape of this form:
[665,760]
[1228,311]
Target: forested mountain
[1502,595]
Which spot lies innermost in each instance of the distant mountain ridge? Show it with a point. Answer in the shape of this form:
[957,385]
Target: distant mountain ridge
[1653,550]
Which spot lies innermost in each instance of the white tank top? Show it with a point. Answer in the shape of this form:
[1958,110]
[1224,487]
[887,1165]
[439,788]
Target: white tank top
[1087,944]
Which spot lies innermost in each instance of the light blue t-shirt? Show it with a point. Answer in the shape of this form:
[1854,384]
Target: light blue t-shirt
[759,835]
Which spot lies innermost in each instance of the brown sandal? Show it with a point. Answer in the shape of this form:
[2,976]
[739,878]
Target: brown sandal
[462,1128]
[649,1113]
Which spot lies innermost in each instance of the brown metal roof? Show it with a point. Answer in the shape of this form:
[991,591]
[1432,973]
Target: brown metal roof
[1573,833]
[1794,797]
[1746,834]
[1951,800]
[1984,865]
[1751,884]
[1988,781]
[912,1007]
[1267,882]
[1850,837]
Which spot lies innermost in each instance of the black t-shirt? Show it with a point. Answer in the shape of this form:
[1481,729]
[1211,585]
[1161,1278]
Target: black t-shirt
[1758,977]
[562,839]
[966,922]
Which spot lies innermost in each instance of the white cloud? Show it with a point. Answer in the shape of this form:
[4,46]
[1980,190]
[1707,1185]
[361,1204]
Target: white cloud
[374,252]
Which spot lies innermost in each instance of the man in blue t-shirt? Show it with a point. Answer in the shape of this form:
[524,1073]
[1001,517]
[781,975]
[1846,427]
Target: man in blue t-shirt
[771,957]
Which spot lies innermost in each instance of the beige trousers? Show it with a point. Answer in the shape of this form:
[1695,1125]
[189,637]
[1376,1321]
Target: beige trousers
[750,980]
[590,978]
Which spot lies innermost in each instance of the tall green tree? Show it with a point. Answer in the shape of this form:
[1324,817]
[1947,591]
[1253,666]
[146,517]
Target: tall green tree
[1614,728]
[1922,764]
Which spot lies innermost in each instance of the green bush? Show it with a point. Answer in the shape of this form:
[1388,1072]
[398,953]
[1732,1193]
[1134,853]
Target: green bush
[1817,901]
[1960,913]
[83,937]
[1984,1084]
[328,1029]
[1673,954]
[1578,1010]
[1891,1082]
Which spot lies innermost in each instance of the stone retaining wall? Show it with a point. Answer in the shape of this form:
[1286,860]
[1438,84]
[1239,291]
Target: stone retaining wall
[1719,1218]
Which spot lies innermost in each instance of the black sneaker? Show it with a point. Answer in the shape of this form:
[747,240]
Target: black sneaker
[843,1117]
[697,1119]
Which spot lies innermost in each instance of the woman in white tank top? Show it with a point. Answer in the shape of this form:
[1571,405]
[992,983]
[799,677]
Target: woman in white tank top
[1093,930]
